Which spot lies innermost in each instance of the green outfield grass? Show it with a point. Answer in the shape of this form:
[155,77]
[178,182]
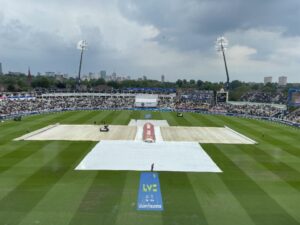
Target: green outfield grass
[260,183]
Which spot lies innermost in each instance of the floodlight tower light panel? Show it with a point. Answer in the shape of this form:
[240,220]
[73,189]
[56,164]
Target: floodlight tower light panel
[221,43]
[82,45]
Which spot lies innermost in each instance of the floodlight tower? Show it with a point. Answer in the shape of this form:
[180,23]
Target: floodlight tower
[221,46]
[81,45]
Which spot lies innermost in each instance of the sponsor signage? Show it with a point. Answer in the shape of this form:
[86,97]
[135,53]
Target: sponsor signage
[149,196]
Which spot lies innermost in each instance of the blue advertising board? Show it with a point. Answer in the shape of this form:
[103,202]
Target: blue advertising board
[149,197]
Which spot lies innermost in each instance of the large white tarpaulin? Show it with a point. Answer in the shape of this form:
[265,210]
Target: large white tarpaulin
[139,156]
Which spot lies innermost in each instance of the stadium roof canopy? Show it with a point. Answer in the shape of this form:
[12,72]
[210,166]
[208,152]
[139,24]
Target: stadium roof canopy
[168,90]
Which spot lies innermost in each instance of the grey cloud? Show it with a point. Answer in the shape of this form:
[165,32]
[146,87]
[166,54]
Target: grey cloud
[187,25]
[187,28]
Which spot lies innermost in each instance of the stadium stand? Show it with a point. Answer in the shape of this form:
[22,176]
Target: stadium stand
[198,101]
[264,97]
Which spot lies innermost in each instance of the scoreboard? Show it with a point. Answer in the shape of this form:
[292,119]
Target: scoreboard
[294,97]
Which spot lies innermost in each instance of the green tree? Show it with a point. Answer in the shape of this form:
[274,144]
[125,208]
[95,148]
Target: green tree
[235,84]
[199,83]
[179,83]
[41,82]
[192,82]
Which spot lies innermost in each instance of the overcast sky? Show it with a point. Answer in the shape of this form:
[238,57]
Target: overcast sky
[153,37]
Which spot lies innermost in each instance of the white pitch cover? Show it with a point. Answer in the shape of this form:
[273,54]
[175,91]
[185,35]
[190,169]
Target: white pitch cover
[138,156]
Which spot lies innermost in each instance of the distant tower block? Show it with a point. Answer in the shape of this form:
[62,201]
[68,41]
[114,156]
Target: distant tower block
[1,72]
[282,81]
[267,80]
[163,78]
[148,133]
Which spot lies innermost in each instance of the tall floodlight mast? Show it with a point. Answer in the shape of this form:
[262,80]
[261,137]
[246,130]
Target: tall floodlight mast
[81,45]
[221,46]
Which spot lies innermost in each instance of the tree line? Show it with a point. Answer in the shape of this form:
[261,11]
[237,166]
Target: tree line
[21,83]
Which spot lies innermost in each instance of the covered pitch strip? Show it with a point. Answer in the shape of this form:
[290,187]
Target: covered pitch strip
[164,132]
[81,133]
[139,156]
[216,135]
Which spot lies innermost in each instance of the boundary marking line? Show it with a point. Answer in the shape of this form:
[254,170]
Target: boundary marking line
[241,135]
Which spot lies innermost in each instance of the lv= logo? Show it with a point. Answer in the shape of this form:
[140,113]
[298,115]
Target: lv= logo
[149,187]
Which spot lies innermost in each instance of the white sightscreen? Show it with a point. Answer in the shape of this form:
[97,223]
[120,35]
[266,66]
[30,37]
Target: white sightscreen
[147,101]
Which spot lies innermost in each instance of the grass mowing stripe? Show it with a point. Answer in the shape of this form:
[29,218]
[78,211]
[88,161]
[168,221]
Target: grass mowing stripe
[106,116]
[250,130]
[248,193]
[136,115]
[18,154]
[110,117]
[180,121]
[61,202]
[92,114]
[27,194]
[180,202]
[11,146]
[101,203]
[216,199]
[193,120]
[210,121]
[89,117]
[77,117]
[283,193]
[171,118]
[282,170]
[156,115]
[273,126]
[122,118]
[15,175]
[97,117]
[293,149]
[256,127]
[205,120]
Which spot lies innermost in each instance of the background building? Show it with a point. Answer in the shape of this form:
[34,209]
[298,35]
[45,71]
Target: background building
[50,74]
[267,80]
[103,74]
[114,76]
[163,78]
[282,81]
[1,72]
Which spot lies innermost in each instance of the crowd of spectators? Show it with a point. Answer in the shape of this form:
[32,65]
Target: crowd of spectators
[264,97]
[191,105]
[10,107]
[196,96]
[165,103]
[194,100]
[294,116]
[246,109]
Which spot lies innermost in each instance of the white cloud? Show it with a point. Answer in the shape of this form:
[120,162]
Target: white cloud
[240,53]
